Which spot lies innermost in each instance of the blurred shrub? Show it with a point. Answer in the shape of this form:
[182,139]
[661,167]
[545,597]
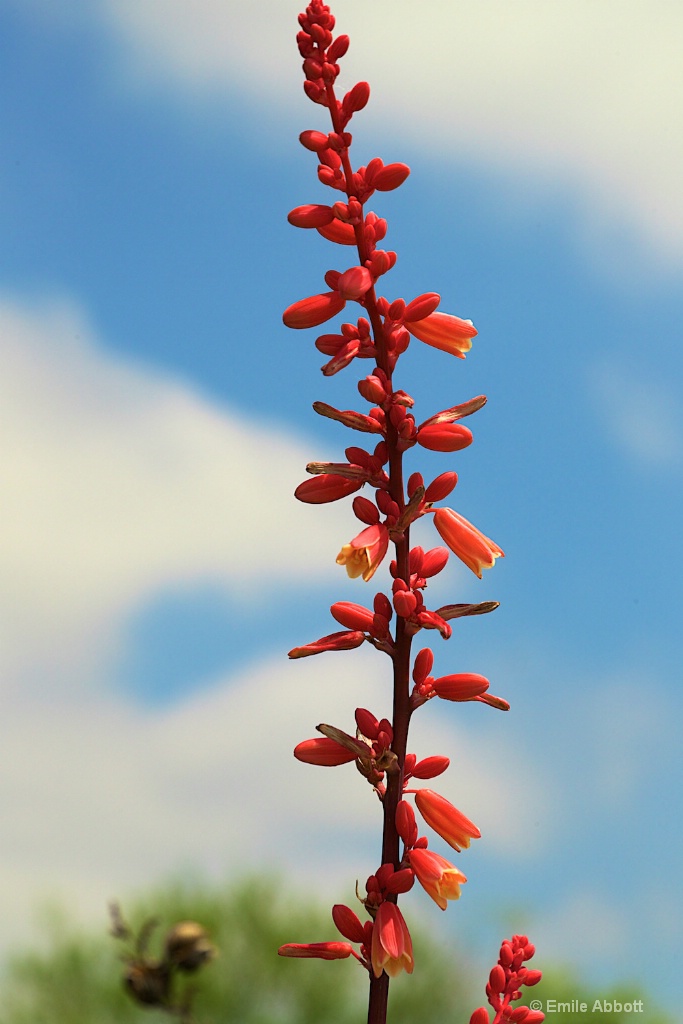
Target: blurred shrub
[76,979]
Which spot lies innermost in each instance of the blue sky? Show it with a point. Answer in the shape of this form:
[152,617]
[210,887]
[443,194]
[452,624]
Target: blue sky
[156,417]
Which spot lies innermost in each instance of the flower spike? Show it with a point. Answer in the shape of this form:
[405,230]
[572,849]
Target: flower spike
[393,502]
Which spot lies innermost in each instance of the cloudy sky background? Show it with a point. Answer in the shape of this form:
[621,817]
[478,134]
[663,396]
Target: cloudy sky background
[155,418]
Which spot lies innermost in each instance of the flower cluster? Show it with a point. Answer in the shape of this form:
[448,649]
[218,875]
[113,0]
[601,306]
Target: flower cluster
[506,980]
[387,511]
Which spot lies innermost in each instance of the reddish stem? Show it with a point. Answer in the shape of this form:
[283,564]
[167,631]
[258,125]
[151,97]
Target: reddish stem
[379,987]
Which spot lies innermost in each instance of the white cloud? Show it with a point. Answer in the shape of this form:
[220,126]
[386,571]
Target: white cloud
[585,95]
[641,414]
[99,797]
[117,482]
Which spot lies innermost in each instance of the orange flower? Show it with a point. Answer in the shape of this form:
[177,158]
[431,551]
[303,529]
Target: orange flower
[444,331]
[392,948]
[450,823]
[365,552]
[437,876]
[467,542]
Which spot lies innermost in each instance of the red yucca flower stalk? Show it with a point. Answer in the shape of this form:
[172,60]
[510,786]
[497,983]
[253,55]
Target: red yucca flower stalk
[387,511]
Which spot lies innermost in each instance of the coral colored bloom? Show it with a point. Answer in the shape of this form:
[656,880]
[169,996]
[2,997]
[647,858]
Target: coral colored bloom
[314,310]
[467,542]
[348,923]
[345,640]
[354,283]
[392,948]
[365,552]
[444,437]
[319,950]
[353,616]
[444,331]
[323,751]
[326,487]
[438,877]
[450,823]
[462,686]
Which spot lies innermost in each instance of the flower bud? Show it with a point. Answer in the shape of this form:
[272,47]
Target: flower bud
[315,141]
[354,283]
[347,923]
[390,177]
[423,665]
[342,641]
[318,950]
[326,487]
[314,310]
[460,687]
[405,823]
[356,99]
[367,723]
[353,616]
[310,216]
[365,510]
[421,307]
[430,767]
[323,751]
[497,979]
[433,562]
[338,48]
[339,232]
[444,437]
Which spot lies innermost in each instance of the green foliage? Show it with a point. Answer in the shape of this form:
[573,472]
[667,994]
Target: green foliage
[566,999]
[77,979]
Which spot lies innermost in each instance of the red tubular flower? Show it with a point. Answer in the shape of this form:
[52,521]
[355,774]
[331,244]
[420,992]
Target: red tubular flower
[405,823]
[441,487]
[353,616]
[430,767]
[467,542]
[317,950]
[348,923]
[323,751]
[438,877]
[444,437]
[314,310]
[460,687]
[344,641]
[326,487]
[387,176]
[444,331]
[421,307]
[354,283]
[365,552]
[339,232]
[310,216]
[446,820]
[392,947]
